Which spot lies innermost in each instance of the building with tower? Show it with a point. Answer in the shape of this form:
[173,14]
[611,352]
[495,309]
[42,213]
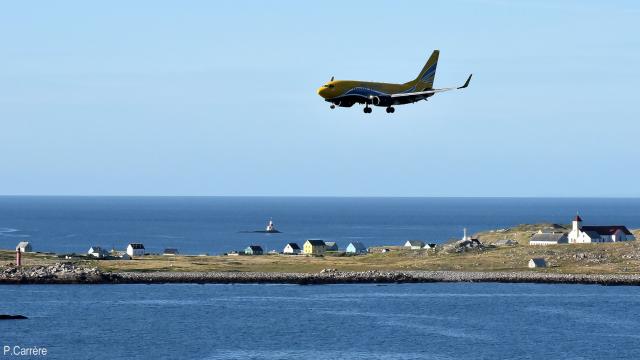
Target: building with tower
[581,234]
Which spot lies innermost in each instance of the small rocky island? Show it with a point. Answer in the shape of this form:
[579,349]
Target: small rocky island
[498,255]
[12,317]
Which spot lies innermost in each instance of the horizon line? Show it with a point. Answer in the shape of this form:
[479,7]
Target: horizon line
[330,196]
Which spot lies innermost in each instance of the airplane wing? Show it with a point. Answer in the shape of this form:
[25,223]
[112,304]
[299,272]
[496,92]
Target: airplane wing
[418,95]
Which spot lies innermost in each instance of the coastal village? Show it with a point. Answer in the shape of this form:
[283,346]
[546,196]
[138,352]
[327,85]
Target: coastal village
[470,252]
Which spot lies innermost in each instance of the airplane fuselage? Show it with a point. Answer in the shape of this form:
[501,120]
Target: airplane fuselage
[345,93]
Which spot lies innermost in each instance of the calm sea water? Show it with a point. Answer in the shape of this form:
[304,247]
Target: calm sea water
[214,224]
[402,321]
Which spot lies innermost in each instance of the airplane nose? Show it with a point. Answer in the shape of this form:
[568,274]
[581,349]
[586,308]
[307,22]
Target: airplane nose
[322,91]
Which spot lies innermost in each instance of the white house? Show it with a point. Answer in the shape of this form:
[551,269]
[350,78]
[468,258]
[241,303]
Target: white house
[541,238]
[356,247]
[292,249]
[98,252]
[24,246]
[596,234]
[537,263]
[135,249]
[429,246]
[414,244]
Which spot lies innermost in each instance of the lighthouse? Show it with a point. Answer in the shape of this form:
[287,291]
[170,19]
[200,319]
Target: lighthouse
[271,227]
[464,235]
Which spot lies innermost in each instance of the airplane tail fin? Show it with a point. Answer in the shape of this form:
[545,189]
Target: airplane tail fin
[424,81]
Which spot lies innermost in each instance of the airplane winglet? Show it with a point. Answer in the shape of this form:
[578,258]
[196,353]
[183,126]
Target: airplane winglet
[466,83]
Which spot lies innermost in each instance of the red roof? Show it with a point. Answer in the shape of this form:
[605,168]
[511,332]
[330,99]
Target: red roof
[578,218]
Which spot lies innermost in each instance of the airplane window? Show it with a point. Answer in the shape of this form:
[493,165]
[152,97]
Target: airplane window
[331,86]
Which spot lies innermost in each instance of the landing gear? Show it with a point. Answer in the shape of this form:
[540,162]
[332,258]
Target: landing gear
[391,110]
[367,109]
[333,106]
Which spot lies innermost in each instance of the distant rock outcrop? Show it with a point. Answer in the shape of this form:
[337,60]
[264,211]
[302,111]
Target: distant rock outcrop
[12,317]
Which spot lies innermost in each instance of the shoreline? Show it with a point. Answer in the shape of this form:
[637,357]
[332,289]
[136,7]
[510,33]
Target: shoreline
[70,274]
[373,277]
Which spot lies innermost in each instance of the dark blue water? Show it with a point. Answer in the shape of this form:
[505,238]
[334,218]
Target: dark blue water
[407,321]
[213,224]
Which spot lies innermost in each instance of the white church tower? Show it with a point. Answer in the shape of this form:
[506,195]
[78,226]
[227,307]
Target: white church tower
[576,228]
[577,223]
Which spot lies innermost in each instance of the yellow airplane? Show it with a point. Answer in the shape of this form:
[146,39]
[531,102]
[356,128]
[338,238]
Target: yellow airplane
[345,93]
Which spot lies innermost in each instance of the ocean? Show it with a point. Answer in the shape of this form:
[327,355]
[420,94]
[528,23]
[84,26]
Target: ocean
[214,225]
[365,321]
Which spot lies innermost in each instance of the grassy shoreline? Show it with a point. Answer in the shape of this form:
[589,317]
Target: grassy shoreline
[602,258]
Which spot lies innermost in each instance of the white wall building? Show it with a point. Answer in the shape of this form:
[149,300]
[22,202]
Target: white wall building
[414,244]
[24,246]
[542,238]
[135,249]
[97,251]
[356,247]
[596,234]
[292,249]
[537,263]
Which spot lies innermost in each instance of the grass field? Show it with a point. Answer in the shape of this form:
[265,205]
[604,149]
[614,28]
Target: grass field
[605,258]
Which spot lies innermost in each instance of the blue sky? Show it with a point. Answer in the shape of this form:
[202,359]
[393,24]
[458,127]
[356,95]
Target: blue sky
[218,98]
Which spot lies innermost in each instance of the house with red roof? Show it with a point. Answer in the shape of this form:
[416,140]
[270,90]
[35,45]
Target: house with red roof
[596,234]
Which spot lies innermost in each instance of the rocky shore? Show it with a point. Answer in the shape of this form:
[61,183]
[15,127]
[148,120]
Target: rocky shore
[68,273]
[59,273]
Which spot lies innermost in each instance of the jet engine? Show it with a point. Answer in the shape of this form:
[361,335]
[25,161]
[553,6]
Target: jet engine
[342,103]
[381,100]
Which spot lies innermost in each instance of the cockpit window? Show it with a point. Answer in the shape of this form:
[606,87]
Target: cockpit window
[329,86]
